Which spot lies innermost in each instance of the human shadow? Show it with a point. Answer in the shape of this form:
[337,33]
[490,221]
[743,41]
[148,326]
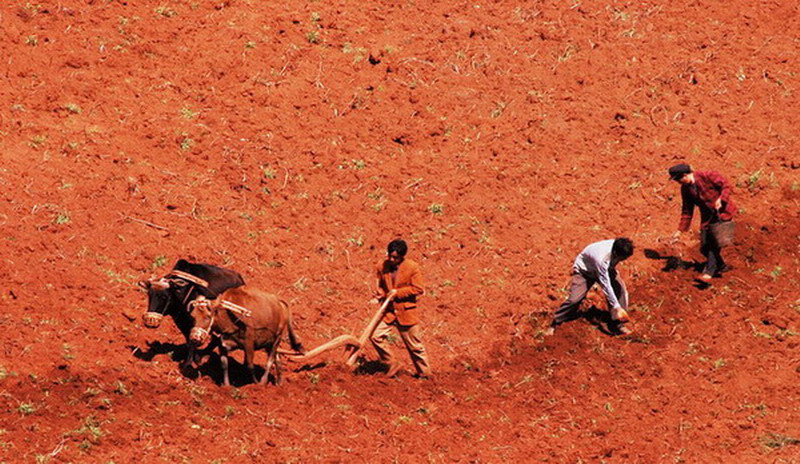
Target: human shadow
[601,320]
[701,284]
[672,263]
[371,368]
[311,367]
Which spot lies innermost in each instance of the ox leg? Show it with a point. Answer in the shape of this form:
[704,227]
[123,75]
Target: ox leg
[249,360]
[223,360]
[272,358]
[189,360]
[278,370]
[202,356]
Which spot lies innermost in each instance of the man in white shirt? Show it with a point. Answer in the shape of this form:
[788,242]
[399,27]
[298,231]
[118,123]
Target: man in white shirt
[597,264]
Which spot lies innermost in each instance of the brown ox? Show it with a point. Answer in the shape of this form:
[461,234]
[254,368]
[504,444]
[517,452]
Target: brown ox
[249,319]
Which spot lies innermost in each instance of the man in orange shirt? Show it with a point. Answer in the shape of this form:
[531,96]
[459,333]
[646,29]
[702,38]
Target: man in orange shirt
[404,277]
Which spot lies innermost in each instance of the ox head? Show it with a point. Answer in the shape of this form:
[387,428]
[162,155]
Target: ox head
[161,293]
[203,311]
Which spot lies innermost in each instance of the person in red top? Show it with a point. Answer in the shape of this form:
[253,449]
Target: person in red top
[710,192]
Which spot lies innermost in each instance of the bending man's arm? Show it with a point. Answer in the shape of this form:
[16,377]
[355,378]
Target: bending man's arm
[604,277]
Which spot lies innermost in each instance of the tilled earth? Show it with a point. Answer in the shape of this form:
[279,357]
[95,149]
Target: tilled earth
[292,141]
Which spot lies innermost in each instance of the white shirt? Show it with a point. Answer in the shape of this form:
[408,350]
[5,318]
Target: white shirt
[594,263]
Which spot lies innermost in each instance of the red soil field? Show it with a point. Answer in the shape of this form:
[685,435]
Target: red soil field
[291,141]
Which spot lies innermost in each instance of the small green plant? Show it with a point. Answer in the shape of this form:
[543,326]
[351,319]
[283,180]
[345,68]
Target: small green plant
[268,172]
[26,409]
[313,37]
[230,411]
[753,178]
[300,284]
[359,164]
[187,113]
[313,378]
[498,110]
[776,440]
[238,394]
[73,108]
[158,261]
[186,144]
[776,272]
[61,218]
[436,208]
[38,140]
[250,45]
[67,348]
[120,388]
[32,40]
[165,11]
[720,363]
[356,241]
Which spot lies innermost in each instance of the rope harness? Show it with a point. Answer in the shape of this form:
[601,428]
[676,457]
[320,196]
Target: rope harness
[201,334]
[153,319]
[189,278]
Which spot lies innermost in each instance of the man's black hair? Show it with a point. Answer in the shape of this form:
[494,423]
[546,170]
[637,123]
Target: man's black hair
[622,248]
[399,246]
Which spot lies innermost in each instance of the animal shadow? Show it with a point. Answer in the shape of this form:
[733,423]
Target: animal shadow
[238,373]
[672,263]
[176,352]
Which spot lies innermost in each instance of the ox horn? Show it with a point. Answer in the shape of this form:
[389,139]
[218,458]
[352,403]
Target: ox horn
[159,284]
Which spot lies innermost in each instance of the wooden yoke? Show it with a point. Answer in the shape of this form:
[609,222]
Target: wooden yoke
[373,323]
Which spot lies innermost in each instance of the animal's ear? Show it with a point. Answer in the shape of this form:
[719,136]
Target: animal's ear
[181,264]
[145,284]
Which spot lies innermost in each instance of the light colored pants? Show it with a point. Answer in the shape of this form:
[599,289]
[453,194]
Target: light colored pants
[410,336]
[579,289]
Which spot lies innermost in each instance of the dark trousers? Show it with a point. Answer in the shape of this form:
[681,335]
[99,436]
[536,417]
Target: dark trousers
[579,288]
[713,253]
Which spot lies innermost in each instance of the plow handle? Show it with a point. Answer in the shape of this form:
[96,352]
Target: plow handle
[373,323]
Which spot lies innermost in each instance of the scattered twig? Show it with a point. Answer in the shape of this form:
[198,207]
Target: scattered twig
[58,448]
[150,224]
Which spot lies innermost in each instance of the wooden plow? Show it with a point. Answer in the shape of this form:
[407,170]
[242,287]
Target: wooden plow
[352,344]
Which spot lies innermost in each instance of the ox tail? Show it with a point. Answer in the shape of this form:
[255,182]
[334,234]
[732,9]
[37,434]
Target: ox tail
[293,340]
